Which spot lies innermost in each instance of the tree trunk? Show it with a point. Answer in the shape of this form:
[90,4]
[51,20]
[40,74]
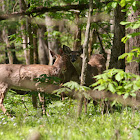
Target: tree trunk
[31,41]
[8,47]
[36,60]
[53,40]
[43,47]
[85,45]
[85,54]
[24,36]
[93,40]
[133,67]
[77,35]
[25,42]
[118,47]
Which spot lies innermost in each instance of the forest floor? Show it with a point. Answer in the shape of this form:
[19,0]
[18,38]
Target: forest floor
[61,122]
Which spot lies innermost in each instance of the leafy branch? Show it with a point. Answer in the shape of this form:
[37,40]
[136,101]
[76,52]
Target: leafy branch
[70,87]
[118,81]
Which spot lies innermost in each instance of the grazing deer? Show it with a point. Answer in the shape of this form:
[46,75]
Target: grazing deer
[18,76]
[96,65]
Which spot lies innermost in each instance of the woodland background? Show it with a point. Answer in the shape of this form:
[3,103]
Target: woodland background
[30,28]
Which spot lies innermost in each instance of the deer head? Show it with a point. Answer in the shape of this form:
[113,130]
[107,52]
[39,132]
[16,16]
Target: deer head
[74,55]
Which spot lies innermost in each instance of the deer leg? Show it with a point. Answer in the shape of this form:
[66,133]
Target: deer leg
[3,90]
[85,103]
[62,96]
[34,101]
[80,104]
[42,101]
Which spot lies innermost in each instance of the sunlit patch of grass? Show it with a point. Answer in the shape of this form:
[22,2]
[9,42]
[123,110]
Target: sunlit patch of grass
[61,121]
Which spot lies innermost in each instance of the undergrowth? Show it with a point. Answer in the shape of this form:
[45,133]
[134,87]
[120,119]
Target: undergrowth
[61,121]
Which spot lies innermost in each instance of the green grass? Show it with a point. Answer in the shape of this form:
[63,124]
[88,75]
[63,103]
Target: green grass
[61,122]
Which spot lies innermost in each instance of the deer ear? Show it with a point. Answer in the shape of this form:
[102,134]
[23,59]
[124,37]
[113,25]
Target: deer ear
[66,49]
[52,53]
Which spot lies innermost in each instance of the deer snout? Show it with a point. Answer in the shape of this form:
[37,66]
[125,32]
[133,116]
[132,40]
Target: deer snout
[73,59]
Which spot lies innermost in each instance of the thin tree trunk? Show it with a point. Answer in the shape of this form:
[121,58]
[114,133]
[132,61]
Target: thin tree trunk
[102,50]
[85,54]
[31,41]
[53,41]
[93,40]
[77,36]
[43,47]
[8,47]
[36,61]
[24,36]
[85,45]
[25,43]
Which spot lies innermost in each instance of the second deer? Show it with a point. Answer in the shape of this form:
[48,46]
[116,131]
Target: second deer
[96,65]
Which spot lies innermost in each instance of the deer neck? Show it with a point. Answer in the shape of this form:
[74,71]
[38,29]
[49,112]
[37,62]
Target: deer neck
[58,64]
[78,65]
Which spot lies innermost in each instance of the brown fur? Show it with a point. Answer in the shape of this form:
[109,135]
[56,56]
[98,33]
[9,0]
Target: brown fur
[18,76]
[96,64]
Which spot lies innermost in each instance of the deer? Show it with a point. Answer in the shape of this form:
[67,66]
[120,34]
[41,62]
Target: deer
[96,65]
[22,77]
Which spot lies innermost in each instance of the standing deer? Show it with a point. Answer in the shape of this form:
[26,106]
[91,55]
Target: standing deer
[96,65]
[18,76]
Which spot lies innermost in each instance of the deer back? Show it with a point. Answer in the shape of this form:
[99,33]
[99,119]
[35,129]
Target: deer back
[98,60]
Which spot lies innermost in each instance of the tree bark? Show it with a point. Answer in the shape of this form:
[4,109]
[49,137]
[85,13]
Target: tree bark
[35,44]
[25,41]
[8,47]
[77,35]
[118,47]
[133,67]
[85,45]
[93,40]
[53,40]
[24,36]
[43,46]
[85,55]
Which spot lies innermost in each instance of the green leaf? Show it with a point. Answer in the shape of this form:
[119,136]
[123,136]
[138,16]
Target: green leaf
[135,26]
[111,87]
[119,76]
[100,87]
[124,22]
[126,95]
[129,57]
[122,56]
[122,3]
[124,39]
[133,94]
[72,85]
[95,84]
[114,4]
[61,90]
